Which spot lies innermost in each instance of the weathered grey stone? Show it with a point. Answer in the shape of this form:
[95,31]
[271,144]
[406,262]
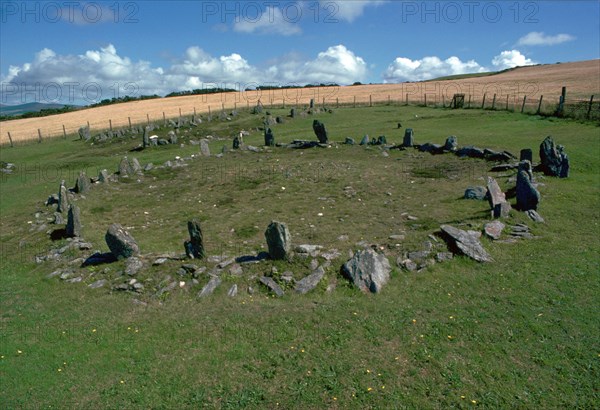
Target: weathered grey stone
[120,242]
[320,132]
[451,144]
[145,138]
[309,249]
[407,264]
[471,152]
[368,270]
[133,266]
[535,216]
[74,222]
[58,219]
[103,176]
[233,291]
[493,229]
[310,282]
[408,140]
[272,285]
[492,155]
[497,199]
[98,284]
[293,113]
[554,161]
[204,148]
[365,140]
[236,143]
[349,141]
[528,197]
[194,248]
[269,138]
[444,256]
[124,168]
[431,148]
[83,184]
[170,287]
[476,192]
[63,198]
[278,240]
[210,287]
[526,155]
[172,137]
[84,133]
[461,241]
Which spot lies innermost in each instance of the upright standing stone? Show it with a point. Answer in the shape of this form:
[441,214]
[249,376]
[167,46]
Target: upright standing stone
[278,240]
[312,103]
[73,222]
[120,242]
[236,143]
[497,199]
[554,161]
[528,197]
[194,248]
[451,144]
[103,177]
[269,138]
[365,140]
[408,138]
[84,133]
[83,183]
[145,138]
[172,137]
[320,131]
[204,148]
[526,155]
[293,113]
[63,199]
[124,168]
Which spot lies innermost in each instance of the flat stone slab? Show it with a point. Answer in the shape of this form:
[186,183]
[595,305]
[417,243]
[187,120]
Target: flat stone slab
[466,244]
[210,287]
[310,282]
[272,285]
[494,229]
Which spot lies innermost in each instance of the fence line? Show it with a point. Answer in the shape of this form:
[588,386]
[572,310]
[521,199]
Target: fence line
[561,106]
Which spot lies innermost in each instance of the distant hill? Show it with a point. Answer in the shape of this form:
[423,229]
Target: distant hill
[12,110]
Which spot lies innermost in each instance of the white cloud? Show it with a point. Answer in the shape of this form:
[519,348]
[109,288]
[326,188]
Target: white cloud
[104,74]
[405,69]
[335,65]
[510,59]
[348,10]
[537,38]
[272,21]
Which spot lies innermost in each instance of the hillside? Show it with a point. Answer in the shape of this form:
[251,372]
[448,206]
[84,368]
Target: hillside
[582,79]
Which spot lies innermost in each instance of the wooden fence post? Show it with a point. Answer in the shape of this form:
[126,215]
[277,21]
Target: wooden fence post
[110,124]
[64,132]
[370,100]
[148,118]
[129,120]
[425,99]
[506,102]
[483,103]
[469,103]
[389,99]
[589,113]
[540,104]
[10,139]
[88,124]
[406,103]
[39,135]
[494,102]
[355,101]
[523,106]
[563,98]
[337,102]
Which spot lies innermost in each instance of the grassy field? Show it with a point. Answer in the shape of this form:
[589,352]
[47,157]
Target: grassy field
[522,332]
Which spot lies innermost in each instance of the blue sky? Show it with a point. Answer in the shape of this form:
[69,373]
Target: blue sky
[79,52]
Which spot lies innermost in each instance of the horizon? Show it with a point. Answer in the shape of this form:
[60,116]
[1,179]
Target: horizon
[92,51]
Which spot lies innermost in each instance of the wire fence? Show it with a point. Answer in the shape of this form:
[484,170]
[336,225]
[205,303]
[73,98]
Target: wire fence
[556,106]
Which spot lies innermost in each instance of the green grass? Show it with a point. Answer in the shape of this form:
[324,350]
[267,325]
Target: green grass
[524,331]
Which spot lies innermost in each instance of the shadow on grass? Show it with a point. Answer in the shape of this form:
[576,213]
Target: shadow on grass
[99,259]
[58,234]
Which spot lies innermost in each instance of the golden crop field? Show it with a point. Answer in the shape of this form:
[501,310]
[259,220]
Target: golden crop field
[582,80]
